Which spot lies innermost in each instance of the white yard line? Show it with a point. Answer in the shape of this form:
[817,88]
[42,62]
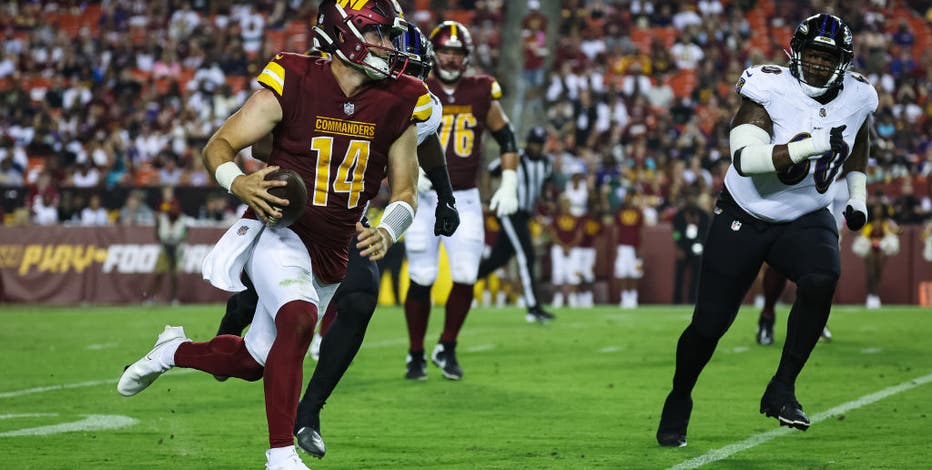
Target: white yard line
[757,439]
[90,383]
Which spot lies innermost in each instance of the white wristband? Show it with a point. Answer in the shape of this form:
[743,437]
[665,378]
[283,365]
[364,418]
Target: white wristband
[801,150]
[226,173]
[857,185]
[396,219]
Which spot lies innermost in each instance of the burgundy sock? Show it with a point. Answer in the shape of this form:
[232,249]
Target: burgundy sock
[458,304]
[225,355]
[328,318]
[283,374]
[773,285]
[417,312]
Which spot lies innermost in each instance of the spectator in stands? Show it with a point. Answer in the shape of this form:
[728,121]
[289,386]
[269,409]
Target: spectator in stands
[577,195]
[85,176]
[10,173]
[135,211]
[44,209]
[94,214]
[907,209]
[686,53]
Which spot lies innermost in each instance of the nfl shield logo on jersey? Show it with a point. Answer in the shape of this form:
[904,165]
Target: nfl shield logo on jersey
[735,225]
[349,108]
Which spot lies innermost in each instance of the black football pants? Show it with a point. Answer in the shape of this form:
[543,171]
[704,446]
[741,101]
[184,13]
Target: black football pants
[805,250]
[514,240]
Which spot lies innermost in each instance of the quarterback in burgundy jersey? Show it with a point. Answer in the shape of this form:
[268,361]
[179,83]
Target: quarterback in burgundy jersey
[343,125]
[470,106]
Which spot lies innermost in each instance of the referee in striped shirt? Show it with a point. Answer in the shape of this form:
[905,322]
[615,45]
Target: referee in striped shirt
[534,168]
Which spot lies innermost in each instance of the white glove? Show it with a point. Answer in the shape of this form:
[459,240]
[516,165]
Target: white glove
[423,182]
[505,201]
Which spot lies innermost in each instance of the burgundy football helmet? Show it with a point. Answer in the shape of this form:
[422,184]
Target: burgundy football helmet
[342,24]
[451,36]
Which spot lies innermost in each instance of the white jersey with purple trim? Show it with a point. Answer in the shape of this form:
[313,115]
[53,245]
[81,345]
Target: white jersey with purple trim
[809,185]
[430,126]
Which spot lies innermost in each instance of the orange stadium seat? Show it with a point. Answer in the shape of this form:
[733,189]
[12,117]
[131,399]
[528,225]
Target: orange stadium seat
[297,36]
[683,82]
[275,39]
[463,16]
[237,83]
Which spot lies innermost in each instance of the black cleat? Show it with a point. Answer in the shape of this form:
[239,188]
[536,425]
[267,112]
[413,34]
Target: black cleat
[673,421]
[444,357]
[310,441]
[779,402]
[539,315]
[416,366]
[220,378]
[765,331]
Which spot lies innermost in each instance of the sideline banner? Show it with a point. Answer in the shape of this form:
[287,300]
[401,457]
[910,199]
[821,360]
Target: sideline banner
[105,265]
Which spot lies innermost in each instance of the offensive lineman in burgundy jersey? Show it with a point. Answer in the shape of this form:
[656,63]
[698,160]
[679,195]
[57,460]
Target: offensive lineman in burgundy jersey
[343,125]
[470,106]
[462,127]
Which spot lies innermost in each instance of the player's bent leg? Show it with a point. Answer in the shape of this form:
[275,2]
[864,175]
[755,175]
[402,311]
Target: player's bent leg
[224,355]
[140,374]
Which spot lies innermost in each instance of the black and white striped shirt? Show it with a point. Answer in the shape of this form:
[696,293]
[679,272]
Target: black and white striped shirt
[531,177]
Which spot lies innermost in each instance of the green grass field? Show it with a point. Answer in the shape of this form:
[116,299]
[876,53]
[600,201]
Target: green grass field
[584,392]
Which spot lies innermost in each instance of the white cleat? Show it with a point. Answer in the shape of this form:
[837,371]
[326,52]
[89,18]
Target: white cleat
[291,462]
[140,374]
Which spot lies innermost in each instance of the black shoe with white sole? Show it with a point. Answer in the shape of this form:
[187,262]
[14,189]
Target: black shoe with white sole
[310,441]
[539,315]
[416,366]
[444,357]
[765,331]
[779,401]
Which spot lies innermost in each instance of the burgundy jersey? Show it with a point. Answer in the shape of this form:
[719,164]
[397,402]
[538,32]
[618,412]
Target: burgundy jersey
[566,227]
[591,228]
[628,222]
[338,145]
[464,116]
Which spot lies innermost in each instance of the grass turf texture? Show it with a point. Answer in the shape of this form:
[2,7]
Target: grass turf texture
[583,392]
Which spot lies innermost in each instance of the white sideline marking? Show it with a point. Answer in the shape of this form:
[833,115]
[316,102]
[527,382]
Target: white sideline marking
[740,349]
[99,346]
[90,383]
[480,348]
[89,423]
[611,349]
[729,450]
[871,350]
[27,415]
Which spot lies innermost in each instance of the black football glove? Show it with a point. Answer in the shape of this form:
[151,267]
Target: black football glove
[447,219]
[836,140]
[855,215]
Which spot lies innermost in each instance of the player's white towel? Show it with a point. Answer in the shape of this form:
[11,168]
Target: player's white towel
[224,264]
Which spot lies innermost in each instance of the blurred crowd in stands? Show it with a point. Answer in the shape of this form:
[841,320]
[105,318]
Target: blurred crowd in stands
[637,95]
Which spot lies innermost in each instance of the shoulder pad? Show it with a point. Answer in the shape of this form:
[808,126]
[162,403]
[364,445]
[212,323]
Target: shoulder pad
[759,83]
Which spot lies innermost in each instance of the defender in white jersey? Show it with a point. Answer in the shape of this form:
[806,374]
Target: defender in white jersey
[798,129]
